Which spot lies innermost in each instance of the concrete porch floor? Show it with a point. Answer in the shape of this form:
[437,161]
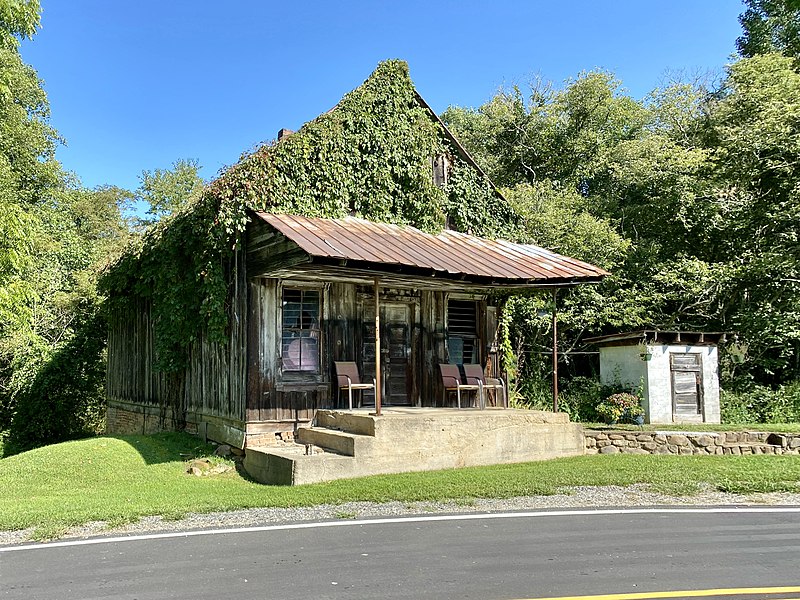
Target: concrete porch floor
[344,444]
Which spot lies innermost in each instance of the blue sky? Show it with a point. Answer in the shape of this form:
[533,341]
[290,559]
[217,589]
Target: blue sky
[138,85]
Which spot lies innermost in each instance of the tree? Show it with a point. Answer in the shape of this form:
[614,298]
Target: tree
[770,26]
[54,239]
[702,187]
[755,131]
[167,190]
[19,19]
[52,360]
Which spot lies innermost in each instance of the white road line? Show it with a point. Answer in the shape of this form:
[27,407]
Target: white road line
[414,519]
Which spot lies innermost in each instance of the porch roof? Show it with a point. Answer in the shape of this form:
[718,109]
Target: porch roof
[383,247]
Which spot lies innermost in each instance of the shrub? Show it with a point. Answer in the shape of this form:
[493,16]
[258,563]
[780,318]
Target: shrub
[761,404]
[66,399]
[578,396]
[619,407]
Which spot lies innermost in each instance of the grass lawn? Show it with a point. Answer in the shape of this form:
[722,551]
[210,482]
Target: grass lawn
[775,427]
[119,479]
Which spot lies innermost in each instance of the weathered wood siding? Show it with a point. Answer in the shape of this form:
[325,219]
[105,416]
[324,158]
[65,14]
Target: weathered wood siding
[213,382]
[282,397]
[433,310]
[131,376]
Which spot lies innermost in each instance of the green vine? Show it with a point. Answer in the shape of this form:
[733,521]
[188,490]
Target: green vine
[369,156]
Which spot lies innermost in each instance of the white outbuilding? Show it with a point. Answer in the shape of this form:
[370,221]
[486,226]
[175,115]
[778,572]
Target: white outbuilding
[676,372]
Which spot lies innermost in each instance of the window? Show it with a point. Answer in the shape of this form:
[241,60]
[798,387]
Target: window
[441,170]
[300,332]
[462,332]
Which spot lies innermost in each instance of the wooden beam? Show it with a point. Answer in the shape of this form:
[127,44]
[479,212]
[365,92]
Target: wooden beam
[377,348]
[555,352]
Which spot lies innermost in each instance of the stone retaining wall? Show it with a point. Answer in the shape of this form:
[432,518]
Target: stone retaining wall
[691,442]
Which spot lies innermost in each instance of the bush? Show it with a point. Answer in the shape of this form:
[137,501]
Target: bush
[761,404]
[578,396]
[620,407]
[66,399]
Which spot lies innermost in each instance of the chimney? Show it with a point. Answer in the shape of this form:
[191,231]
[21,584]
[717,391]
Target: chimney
[283,133]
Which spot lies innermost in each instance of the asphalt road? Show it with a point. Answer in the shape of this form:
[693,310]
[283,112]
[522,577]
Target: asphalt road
[468,556]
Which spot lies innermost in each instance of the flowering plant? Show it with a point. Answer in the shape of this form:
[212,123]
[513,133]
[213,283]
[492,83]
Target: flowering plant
[619,406]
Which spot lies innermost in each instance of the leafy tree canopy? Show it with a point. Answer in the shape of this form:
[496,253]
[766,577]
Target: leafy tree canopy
[19,19]
[770,26]
[168,190]
[699,187]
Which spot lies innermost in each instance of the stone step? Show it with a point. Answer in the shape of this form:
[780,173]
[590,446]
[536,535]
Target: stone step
[330,439]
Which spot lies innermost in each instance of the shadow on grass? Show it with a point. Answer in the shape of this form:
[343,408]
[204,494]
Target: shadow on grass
[168,446]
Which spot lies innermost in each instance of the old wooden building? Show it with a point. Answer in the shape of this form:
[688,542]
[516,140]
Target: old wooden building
[305,292]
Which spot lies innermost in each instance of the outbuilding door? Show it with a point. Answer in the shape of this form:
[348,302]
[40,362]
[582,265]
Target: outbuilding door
[687,383]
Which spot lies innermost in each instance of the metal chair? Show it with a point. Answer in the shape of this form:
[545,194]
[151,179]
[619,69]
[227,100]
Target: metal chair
[451,382]
[475,375]
[348,378]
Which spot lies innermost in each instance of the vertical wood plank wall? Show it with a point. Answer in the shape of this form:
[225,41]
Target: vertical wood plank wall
[242,382]
[213,382]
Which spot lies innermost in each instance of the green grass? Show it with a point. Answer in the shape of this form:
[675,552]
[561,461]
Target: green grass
[119,479]
[776,427]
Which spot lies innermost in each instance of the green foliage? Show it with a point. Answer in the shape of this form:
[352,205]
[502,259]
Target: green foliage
[761,404]
[689,198]
[19,19]
[370,155]
[556,218]
[756,129]
[770,26]
[578,396]
[65,398]
[618,407]
[168,190]
[52,357]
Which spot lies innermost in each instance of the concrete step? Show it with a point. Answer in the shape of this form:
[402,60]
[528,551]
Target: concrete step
[290,466]
[350,422]
[330,439]
[401,440]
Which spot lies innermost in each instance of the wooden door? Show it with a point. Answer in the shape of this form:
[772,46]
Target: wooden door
[687,383]
[395,352]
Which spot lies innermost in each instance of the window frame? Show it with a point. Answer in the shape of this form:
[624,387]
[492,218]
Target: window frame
[315,332]
[473,342]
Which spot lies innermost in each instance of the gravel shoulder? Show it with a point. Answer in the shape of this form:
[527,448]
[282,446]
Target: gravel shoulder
[639,495]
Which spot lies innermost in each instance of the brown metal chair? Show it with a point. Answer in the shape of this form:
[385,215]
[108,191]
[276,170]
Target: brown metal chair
[475,375]
[451,382]
[348,378]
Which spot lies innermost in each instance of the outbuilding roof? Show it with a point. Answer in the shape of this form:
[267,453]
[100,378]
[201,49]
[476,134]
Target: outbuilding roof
[658,336]
[450,254]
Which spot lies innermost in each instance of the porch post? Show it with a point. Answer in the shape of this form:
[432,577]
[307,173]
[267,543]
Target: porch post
[555,353]
[377,348]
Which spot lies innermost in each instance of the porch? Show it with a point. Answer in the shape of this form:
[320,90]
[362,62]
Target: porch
[345,444]
[394,300]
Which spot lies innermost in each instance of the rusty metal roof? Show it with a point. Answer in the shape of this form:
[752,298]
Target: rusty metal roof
[662,336]
[450,253]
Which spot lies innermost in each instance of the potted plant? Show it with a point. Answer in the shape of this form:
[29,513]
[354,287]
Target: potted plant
[619,407]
